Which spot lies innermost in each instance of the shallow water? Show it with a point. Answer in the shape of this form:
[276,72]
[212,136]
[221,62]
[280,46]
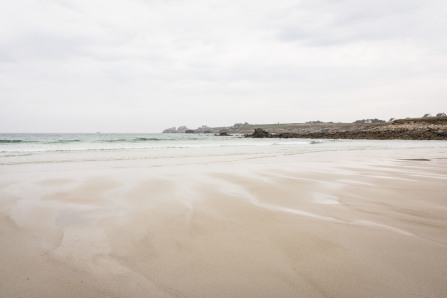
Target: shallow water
[49,148]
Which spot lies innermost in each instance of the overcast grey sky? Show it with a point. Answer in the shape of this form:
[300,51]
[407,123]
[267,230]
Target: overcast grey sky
[145,65]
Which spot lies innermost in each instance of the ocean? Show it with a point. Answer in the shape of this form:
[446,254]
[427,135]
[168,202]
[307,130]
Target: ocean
[73,147]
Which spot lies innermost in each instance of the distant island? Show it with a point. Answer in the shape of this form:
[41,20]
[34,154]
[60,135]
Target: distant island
[425,128]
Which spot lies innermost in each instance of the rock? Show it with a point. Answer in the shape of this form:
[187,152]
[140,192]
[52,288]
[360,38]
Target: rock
[170,130]
[205,129]
[441,115]
[259,133]
[189,131]
[223,134]
[182,129]
[286,135]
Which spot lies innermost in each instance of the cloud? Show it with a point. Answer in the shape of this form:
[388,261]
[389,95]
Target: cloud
[208,62]
[325,23]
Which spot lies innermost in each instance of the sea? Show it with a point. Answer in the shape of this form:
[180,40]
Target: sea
[75,147]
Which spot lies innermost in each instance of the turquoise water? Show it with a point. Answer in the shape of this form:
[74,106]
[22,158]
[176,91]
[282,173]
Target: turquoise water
[50,148]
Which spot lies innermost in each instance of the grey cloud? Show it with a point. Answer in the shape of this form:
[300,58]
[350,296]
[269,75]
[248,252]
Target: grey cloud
[322,23]
[189,61]
[44,46]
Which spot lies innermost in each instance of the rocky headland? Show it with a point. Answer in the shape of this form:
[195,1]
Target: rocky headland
[426,128]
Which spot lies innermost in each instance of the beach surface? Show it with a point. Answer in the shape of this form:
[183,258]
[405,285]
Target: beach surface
[358,223]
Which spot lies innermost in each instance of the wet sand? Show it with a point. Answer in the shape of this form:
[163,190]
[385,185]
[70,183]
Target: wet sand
[369,223]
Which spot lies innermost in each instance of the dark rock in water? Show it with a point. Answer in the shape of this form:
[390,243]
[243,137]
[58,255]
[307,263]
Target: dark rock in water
[287,135]
[259,133]
[189,131]
[223,134]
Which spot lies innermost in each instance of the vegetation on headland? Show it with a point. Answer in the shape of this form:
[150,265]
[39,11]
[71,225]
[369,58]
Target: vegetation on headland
[428,120]
[425,128]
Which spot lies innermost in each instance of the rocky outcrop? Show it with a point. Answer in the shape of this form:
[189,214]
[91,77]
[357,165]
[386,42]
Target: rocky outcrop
[260,133]
[170,130]
[428,128]
[206,129]
[222,134]
[182,129]
[389,132]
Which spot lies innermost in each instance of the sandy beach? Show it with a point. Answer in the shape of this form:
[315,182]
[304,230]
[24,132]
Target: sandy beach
[366,223]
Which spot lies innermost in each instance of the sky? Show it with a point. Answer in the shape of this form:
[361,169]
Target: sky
[147,65]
